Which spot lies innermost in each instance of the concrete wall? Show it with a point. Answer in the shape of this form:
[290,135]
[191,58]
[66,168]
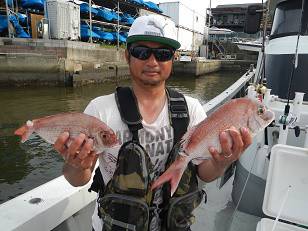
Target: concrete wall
[55,62]
[110,72]
[230,65]
[23,69]
[196,68]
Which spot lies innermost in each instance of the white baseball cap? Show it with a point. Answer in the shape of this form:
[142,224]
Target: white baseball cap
[154,28]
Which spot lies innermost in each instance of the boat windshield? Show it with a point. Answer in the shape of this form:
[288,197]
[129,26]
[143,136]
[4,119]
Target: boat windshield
[282,25]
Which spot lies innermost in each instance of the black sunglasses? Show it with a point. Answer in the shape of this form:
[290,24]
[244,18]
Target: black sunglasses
[143,53]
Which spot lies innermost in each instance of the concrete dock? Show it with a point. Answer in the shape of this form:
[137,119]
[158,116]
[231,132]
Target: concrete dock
[72,63]
[55,62]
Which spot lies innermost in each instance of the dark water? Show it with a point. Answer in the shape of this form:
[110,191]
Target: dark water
[26,166]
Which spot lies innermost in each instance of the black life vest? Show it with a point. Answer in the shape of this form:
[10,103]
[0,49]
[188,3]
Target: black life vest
[122,205]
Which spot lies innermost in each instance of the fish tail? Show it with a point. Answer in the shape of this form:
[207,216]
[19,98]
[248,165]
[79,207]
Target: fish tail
[173,174]
[25,131]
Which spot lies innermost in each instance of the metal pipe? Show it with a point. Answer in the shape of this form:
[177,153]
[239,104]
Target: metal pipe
[8,18]
[90,16]
[193,44]
[251,92]
[208,31]
[283,134]
[267,96]
[118,28]
[297,105]
[306,138]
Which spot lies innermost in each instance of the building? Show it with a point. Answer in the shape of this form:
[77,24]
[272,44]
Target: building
[230,16]
[233,16]
[190,24]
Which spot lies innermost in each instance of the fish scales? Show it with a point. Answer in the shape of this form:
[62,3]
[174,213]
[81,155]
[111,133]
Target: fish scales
[206,133]
[195,144]
[50,127]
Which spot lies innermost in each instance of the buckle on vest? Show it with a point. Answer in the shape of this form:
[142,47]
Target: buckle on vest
[178,111]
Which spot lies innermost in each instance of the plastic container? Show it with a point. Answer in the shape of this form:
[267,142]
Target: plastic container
[64,19]
[286,190]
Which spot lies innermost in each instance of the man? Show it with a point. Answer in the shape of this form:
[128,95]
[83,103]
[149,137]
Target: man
[151,44]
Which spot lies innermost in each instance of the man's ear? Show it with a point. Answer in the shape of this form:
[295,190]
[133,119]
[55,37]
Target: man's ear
[127,56]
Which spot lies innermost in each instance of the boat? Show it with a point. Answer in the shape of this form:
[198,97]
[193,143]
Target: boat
[152,6]
[265,190]
[86,33]
[122,38]
[105,36]
[85,9]
[137,2]
[19,32]
[33,4]
[287,86]
[254,45]
[22,18]
[127,19]
[105,14]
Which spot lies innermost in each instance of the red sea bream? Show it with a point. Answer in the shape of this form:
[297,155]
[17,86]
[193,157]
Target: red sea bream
[50,127]
[195,144]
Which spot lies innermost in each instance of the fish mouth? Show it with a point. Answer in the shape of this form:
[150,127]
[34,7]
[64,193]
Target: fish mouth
[269,116]
[263,121]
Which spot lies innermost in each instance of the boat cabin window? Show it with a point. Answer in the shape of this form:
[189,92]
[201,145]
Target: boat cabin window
[304,30]
[287,19]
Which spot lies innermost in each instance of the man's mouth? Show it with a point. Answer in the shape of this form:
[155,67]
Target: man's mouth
[151,72]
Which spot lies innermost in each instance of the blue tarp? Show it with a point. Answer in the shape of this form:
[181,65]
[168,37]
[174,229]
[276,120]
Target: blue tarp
[153,6]
[106,14]
[85,9]
[127,19]
[85,33]
[123,33]
[104,35]
[137,2]
[22,18]
[33,4]
[20,33]
[122,39]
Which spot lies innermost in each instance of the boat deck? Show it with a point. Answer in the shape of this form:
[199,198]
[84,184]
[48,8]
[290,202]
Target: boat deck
[218,213]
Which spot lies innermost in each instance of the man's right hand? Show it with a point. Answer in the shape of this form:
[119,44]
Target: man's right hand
[79,157]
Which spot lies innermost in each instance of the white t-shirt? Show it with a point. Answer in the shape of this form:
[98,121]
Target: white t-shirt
[156,138]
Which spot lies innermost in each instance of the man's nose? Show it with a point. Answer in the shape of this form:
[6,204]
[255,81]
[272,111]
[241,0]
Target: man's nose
[152,60]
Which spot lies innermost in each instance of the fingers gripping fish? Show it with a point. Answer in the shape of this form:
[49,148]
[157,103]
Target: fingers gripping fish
[50,127]
[195,144]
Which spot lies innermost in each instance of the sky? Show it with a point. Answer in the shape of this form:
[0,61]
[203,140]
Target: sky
[201,5]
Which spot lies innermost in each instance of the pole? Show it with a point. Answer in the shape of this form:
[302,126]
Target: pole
[118,26]
[208,31]
[8,18]
[193,44]
[90,16]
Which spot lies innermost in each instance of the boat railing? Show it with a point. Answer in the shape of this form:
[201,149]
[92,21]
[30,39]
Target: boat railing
[45,207]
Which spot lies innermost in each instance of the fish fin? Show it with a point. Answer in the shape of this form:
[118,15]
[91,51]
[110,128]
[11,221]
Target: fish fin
[186,137]
[25,131]
[173,174]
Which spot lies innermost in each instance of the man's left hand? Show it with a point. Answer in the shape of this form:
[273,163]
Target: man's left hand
[233,143]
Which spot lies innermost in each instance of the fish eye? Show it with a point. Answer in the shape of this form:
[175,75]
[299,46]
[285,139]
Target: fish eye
[260,110]
[103,135]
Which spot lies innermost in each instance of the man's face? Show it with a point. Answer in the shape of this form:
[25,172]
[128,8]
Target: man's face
[149,72]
